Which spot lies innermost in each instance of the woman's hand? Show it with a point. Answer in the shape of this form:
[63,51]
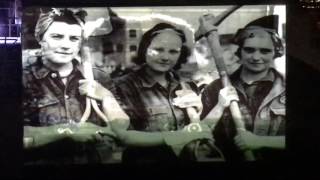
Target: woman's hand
[118,119]
[187,98]
[93,89]
[206,25]
[246,140]
[227,95]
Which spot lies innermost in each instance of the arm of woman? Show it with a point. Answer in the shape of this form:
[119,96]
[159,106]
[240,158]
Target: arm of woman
[119,122]
[214,116]
[226,95]
[139,138]
[39,136]
[248,140]
[169,138]
[35,137]
[276,142]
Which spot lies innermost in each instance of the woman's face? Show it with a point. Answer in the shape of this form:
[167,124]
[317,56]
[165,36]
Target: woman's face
[61,42]
[257,53]
[164,51]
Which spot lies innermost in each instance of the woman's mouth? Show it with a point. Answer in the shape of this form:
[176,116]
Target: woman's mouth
[254,63]
[164,64]
[63,53]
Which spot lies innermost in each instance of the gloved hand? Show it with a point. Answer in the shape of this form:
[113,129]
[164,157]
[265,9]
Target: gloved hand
[206,26]
[187,98]
[226,95]
[93,89]
[178,139]
[90,27]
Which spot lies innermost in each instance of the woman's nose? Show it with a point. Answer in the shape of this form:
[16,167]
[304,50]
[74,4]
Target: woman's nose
[66,43]
[256,55]
[165,57]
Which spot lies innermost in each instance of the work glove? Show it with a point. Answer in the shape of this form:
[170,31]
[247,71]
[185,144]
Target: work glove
[93,89]
[206,26]
[227,95]
[187,98]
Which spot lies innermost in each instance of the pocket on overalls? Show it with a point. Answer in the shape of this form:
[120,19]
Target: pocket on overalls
[159,118]
[278,113]
[49,112]
[278,106]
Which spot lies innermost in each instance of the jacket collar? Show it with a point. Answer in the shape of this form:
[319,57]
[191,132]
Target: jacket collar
[40,71]
[277,89]
[269,77]
[278,86]
[148,82]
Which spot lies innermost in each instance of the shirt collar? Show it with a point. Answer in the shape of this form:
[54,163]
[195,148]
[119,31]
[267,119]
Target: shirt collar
[270,77]
[40,71]
[148,82]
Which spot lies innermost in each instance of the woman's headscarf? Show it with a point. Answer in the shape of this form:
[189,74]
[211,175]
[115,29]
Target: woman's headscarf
[46,18]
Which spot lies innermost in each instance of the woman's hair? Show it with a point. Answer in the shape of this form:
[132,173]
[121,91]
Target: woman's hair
[147,38]
[47,17]
[250,32]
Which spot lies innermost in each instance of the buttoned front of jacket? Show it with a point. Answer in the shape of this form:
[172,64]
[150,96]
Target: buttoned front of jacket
[148,104]
[48,101]
[271,112]
[270,117]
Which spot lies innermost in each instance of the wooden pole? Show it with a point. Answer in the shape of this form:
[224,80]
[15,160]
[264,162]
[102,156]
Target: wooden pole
[217,54]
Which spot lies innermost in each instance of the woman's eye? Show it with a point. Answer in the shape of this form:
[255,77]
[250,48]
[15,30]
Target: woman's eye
[56,36]
[159,49]
[265,50]
[249,49]
[75,38]
[174,51]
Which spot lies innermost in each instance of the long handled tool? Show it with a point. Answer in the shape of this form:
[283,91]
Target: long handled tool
[88,74]
[217,54]
[89,29]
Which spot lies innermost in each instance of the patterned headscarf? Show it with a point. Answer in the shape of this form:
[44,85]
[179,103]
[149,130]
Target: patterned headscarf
[261,27]
[55,14]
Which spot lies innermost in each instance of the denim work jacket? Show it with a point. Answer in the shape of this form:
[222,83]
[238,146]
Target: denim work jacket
[269,119]
[48,101]
[148,104]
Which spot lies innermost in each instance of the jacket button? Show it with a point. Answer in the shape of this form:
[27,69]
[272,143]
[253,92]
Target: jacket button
[54,75]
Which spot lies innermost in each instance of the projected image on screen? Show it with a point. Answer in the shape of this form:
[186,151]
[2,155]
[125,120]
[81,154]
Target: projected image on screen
[153,84]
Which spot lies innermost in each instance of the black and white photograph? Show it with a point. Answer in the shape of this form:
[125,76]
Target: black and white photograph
[141,85]
[163,89]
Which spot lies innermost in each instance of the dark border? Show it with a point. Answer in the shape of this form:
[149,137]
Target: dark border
[303,95]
